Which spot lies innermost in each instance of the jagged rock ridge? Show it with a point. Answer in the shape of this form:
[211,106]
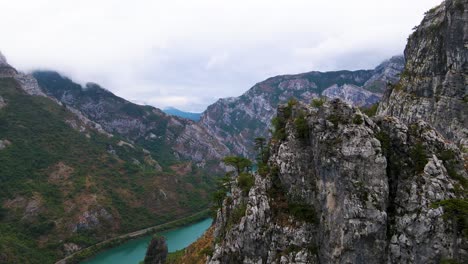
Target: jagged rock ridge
[350,190]
[345,188]
[434,84]
[237,121]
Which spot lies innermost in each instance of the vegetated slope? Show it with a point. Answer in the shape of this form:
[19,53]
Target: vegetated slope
[237,121]
[170,139]
[66,183]
[176,112]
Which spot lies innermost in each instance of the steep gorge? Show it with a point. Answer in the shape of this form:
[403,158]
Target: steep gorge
[342,187]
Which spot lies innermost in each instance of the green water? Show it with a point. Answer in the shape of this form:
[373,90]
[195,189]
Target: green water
[134,251]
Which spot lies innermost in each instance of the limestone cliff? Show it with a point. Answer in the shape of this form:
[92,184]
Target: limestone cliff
[341,187]
[348,189]
[433,86]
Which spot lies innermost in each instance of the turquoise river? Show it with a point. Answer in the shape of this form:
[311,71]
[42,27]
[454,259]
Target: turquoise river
[134,251]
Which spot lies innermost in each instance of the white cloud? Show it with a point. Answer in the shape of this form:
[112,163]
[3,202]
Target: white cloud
[201,50]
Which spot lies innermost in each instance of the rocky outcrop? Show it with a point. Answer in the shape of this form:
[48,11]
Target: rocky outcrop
[5,69]
[2,102]
[387,72]
[237,121]
[347,189]
[29,84]
[4,143]
[92,219]
[434,83]
[344,188]
[157,251]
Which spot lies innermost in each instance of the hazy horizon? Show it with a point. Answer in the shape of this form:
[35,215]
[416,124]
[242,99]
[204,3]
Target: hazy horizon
[187,55]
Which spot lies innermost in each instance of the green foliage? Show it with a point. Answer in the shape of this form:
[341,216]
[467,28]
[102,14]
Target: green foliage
[385,141]
[335,119]
[237,214]
[371,110]
[132,110]
[207,251]
[459,5]
[302,128]
[290,249]
[240,163]
[449,261]
[465,98]
[448,156]
[419,157]
[288,109]
[263,150]
[223,187]
[397,86]
[431,11]
[263,170]
[318,102]
[172,257]
[245,182]
[302,211]
[357,120]
[279,128]
[41,138]
[456,210]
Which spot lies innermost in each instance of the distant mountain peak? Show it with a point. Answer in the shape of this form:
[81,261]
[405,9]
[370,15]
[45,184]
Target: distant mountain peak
[177,112]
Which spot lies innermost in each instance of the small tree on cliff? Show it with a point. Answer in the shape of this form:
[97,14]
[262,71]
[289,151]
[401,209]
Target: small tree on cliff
[240,163]
[262,149]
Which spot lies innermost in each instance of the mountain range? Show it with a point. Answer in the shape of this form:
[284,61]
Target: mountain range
[239,120]
[106,159]
[79,164]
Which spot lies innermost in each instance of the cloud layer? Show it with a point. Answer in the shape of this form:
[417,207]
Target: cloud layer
[189,53]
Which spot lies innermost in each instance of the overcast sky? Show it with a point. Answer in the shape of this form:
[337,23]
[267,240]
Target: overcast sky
[187,54]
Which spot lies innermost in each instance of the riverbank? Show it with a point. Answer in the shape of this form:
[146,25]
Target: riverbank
[116,241]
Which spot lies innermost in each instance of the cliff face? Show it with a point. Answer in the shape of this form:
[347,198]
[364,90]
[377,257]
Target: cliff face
[345,188]
[433,86]
[349,190]
[237,121]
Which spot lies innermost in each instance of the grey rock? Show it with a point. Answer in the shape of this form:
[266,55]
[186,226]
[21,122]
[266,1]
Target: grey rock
[434,83]
[70,248]
[352,94]
[372,203]
[157,251]
[4,143]
[92,219]
[29,84]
